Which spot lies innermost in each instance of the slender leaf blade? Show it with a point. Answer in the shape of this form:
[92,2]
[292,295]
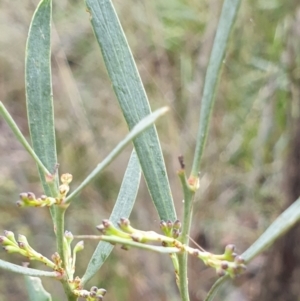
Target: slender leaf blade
[39,89]
[137,129]
[227,18]
[18,134]
[133,101]
[24,270]
[36,290]
[283,223]
[122,208]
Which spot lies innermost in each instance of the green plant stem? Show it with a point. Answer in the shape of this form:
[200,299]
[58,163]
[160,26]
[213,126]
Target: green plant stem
[126,242]
[59,231]
[188,194]
[68,291]
[18,134]
[183,278]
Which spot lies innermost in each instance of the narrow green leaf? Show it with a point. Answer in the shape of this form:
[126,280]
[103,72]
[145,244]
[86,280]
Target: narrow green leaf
[284,222]
[36,290]
[278,228]
[133,101]
[227,18]
[25,271]
[122,208]
[39,90]
[18,134]
[137,129]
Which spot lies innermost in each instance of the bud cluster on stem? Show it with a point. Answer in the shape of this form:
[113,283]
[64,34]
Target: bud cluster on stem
[228,263]
[95,294]
[21,246]
[28,199]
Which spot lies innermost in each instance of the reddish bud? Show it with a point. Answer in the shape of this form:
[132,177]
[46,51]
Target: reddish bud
[21,245]
[124,221]
[23,196]
[106,223]
[163,224]
[20,203]
[239,260]
[101,228]
[230,248]
[169,224]
[224,265]
[196,253]
[221,272]
[177,224]
[31,196]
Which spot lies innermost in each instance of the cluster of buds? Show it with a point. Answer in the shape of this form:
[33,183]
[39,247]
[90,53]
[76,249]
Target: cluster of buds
[95,294]
[28,199]
[127,232]
[171,229]
[21,246]
[70,255]
[228,263]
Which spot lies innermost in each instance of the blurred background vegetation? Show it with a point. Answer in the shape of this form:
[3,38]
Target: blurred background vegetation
[250,171]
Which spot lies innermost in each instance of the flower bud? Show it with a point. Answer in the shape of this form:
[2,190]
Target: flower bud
[124,221]
[224,265]
[21,245]
[101,292]
[163,225]
[30,196]
[221,272]
[169,224]
[23,240]
[66,178]
[56,259]
[20,203]
[94,289]
[106,223]
[23,196]
[175,233]
[79,246]
[11,249]
[68,236]
[177,224]
[11,236]
[239,260]
[101,228]
[230,248]
[138,237]
[196,253]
